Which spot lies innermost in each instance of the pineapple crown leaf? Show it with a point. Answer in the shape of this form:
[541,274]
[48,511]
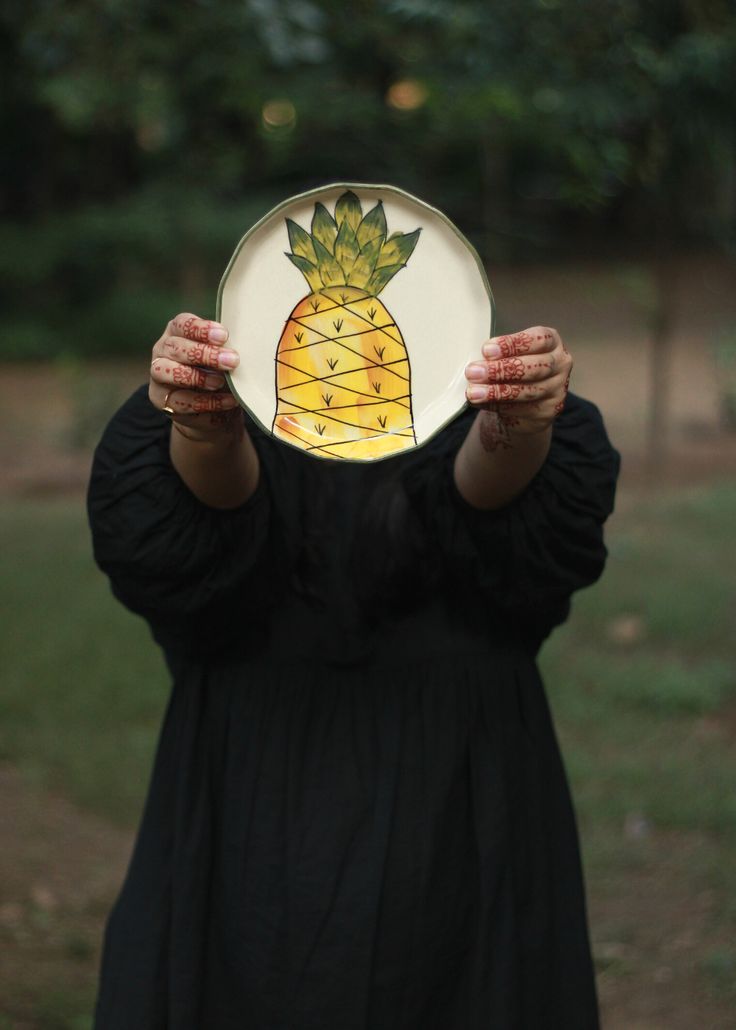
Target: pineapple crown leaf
[308,270]
[330,271]
[348,209]
[365,263]
[301,242]
[350,249]
[374,224]
[398,249]
[324,227]
[380,277]
[347,247]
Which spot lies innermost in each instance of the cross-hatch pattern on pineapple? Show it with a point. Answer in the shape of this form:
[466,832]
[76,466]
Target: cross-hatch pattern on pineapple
[343,378]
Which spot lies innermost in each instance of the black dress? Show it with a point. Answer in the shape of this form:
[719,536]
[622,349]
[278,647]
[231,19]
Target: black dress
[358,817]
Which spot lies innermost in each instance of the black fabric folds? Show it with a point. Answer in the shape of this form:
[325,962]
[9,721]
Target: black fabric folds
[526,559]
[358,816]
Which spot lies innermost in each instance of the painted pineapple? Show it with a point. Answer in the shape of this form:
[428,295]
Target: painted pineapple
[343,380]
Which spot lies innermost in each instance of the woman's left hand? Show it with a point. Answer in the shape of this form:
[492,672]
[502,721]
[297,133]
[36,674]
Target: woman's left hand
[521,380]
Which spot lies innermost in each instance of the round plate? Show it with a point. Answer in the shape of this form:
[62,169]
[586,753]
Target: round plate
[355,309]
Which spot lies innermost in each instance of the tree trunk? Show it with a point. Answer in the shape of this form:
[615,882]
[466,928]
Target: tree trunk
[664,278]
[494,195]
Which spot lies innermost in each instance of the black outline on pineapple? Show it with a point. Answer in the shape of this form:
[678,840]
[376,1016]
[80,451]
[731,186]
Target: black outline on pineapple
[341,337]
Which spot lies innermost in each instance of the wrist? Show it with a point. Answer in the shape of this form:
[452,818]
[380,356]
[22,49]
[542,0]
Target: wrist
[218,430]
[508,429]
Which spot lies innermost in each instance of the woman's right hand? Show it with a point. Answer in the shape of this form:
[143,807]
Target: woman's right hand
[187,369]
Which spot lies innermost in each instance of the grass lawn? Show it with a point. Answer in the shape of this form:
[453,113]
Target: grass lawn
[642,682]
[83,685]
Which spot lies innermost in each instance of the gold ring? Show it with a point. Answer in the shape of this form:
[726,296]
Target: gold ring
[169,410]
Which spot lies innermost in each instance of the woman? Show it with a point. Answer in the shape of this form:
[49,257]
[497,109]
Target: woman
[358,817]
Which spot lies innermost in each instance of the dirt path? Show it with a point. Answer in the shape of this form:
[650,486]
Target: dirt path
[59,871]
[656,952]
[52,413]
[61,867]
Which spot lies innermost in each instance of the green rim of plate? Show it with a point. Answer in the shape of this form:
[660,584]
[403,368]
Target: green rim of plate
[317,191]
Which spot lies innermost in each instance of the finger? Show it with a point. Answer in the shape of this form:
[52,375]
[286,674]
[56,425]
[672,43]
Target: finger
[518,392]
[531,368]
[560,406]
[492,393]
[537,340]
[184,352]
[171,373]
[201,330]
[190,402]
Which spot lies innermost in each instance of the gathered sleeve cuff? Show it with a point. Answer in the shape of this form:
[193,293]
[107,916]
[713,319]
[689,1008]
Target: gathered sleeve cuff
[527,558]
[181,564]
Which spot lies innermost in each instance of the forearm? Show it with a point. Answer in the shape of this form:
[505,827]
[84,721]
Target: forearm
[222,470]
[495,463]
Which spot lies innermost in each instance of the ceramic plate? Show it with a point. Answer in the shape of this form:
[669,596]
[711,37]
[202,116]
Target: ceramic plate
[355,309]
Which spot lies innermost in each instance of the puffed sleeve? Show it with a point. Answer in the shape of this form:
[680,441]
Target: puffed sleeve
[526,559]
[192,571]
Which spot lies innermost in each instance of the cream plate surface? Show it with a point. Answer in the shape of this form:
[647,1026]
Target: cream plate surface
[354,329]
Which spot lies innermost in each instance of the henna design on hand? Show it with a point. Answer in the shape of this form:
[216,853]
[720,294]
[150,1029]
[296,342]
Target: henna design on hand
[193,329]
[504,391]
[560,406]
[214,425]
[517,343]
[184,376]
[494,430]
[196,355]
[208,402]
[508,369]
[522,343]
[229,422]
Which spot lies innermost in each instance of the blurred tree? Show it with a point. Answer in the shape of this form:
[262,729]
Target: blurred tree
[619,110]
[141,140]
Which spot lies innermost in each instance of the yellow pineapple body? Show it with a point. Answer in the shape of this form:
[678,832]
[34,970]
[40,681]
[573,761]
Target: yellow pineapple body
[343,382]
[343,378]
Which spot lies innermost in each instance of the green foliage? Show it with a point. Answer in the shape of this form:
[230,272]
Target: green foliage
[645,717]
[141,142]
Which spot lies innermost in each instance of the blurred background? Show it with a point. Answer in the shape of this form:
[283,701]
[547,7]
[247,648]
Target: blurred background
[588,149]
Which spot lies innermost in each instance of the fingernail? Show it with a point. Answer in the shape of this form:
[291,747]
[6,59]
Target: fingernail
[476,372]
[218,334]
[213,382]
[228,358]
[491,350]
[477,393]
